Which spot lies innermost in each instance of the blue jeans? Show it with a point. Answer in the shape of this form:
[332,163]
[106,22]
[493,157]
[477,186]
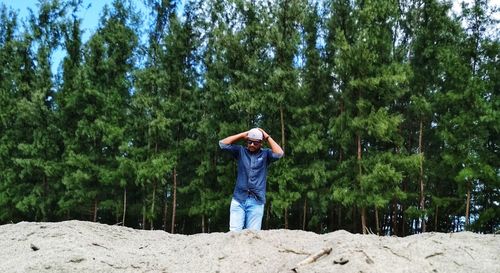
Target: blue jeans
[247,215]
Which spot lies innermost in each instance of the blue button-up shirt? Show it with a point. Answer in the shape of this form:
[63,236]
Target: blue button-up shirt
[252,171]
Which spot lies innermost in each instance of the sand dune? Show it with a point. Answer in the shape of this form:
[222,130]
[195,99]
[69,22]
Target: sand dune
[76,246]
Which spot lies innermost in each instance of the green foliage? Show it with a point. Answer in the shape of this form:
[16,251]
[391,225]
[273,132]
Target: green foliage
[385,107]
[414,212]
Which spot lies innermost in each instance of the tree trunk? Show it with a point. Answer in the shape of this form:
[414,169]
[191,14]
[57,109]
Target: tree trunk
[339,217]
[203,223]
[363,209]
[363,220]
[421,176]
[353,219]
[44,195]
[153,206]
[165,210]
[394,217]
[94,217]
[331,217]
[124,205]
[282,120]
[286,218]
[467,206]
[144,215]
[403,226]
[436,219]
[174,201]
[268,209]
[305,215]
[377,221]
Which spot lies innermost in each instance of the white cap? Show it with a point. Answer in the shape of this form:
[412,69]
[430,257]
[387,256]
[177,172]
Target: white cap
[255,134]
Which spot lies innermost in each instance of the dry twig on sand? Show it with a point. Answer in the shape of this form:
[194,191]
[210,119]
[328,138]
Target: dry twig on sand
[314,257]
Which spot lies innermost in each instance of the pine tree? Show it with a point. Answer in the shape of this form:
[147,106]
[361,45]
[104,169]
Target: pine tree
[470,126]
[32,137]
[284,186]
[13,50]
[339,27]
[435,54]
[374,80]
[100,105]
[167,101]
[41,148]
[67,99]
[387,111]
[308,139]
[201,197]
[218,119]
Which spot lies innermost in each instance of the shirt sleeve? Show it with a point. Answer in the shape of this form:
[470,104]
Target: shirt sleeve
[272,156]
[233,149]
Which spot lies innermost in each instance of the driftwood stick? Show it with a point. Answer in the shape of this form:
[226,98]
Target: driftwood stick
[298,252]
[314,257]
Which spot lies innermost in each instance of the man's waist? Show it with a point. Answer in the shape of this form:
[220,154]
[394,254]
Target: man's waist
[254,191]
[243,194]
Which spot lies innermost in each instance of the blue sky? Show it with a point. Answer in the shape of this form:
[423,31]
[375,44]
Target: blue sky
[92,10]
[90,13]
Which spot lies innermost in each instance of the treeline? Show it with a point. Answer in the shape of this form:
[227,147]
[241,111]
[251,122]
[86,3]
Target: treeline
[387,110]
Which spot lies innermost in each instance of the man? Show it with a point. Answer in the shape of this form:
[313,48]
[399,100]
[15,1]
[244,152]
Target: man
[249,196]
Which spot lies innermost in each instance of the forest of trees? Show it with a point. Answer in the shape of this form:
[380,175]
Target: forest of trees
[387,110]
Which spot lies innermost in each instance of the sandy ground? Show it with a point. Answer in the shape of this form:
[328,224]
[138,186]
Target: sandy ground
[76,246]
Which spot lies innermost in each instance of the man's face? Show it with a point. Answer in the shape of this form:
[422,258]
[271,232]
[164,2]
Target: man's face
[254,145]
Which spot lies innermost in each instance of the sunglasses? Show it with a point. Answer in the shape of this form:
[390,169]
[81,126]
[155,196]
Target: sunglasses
[254,142]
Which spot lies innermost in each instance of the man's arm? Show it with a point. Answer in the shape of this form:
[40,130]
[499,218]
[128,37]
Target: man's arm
[226,144]
[232,139]
[275,147]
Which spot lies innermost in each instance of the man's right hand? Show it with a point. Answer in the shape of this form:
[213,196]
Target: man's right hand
[232,139]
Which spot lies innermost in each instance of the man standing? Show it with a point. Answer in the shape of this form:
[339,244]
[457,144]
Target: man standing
[249,196]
